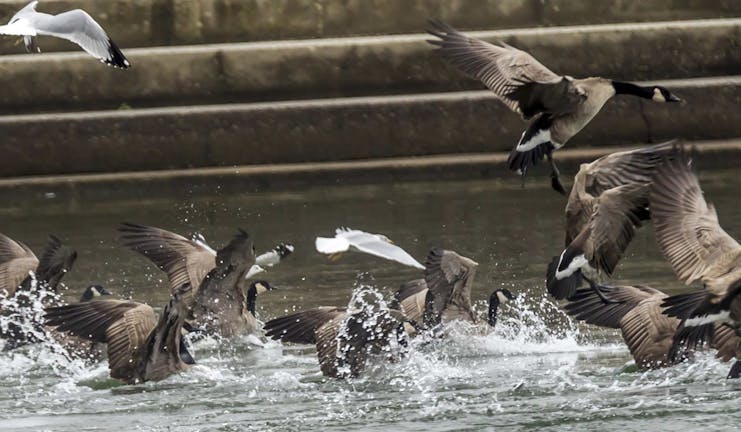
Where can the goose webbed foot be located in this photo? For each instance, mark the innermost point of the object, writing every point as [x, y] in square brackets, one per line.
[555, 177]
[596, 288]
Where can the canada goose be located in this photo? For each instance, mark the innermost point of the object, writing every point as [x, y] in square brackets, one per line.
[608, 202]
[445, 292]
[75, 25]
[220, 305]
[17, 260]
[186, 260]
[78, 347]
[37, 286]
[345, 338]
[561, 105]
[93, 292]
[411, 299]
[140, 348]
[698, 249]
[355, 240]
[648, 333]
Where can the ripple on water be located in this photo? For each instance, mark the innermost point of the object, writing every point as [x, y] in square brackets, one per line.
[525, 373]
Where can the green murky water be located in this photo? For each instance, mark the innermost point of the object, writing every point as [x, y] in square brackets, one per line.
[536, 371]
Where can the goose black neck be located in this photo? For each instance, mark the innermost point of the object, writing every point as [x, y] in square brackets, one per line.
[633, 89]
[493, 308]
[251, 298]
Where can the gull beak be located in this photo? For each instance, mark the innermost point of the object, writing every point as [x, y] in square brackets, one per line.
[335, 257]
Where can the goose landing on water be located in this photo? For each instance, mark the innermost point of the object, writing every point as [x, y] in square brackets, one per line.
[412, 299]
[222, 308]
[698, 249]
[607, 204]
[560, 104]
[347, 338]
[28, 286]
[140, 347]
[648, 333]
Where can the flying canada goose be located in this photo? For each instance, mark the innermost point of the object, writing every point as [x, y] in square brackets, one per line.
[608, 202]
[359, 241]
[690, 237]
[38, 287]
[411, 299]
[445, 292]
[75, 25]
[648, 333]
[346, 338]
[140, 348]
[560, 104]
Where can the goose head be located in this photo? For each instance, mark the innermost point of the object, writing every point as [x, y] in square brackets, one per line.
[498, 297]
[256, 287]
[661, 94]
[92, 292]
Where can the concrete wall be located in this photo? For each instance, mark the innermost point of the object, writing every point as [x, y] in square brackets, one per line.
[338, 129]
[353, 66]
[135, 23]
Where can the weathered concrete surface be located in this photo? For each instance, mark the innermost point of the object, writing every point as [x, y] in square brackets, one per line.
[80, 189]
[135, 23]
[353, 66]
[336, 129]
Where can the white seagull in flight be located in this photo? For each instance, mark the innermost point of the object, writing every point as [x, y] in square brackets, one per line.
[374, 244]
[75, 25]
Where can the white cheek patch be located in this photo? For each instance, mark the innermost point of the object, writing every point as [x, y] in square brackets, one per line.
[707, 319]
[542, 137]
[658, 97]
[577, 263]
[255, 269]
[502, 298]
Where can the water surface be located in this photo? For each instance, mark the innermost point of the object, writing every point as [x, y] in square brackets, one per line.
[537, 370]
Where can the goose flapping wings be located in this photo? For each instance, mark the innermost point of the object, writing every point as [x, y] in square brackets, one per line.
[344, 337]
[449, 279]
[519, 80]
[186, 260]
[688, 230]
[124, 325]
[690, 237]
[140, 347]
[182, 259]
[16, 261]
[649, 333]
[75, 25]
[607, 204]
[373, 244]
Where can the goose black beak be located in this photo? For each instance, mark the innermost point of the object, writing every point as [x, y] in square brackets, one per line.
[673, 98]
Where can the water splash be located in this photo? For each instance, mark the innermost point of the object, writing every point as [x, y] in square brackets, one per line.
[21, 321]
[369, 331]
[29, 346]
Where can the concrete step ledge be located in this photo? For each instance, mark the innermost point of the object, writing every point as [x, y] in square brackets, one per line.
[75, 189]
[251, 72]
[136, 23]
[336, 129]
